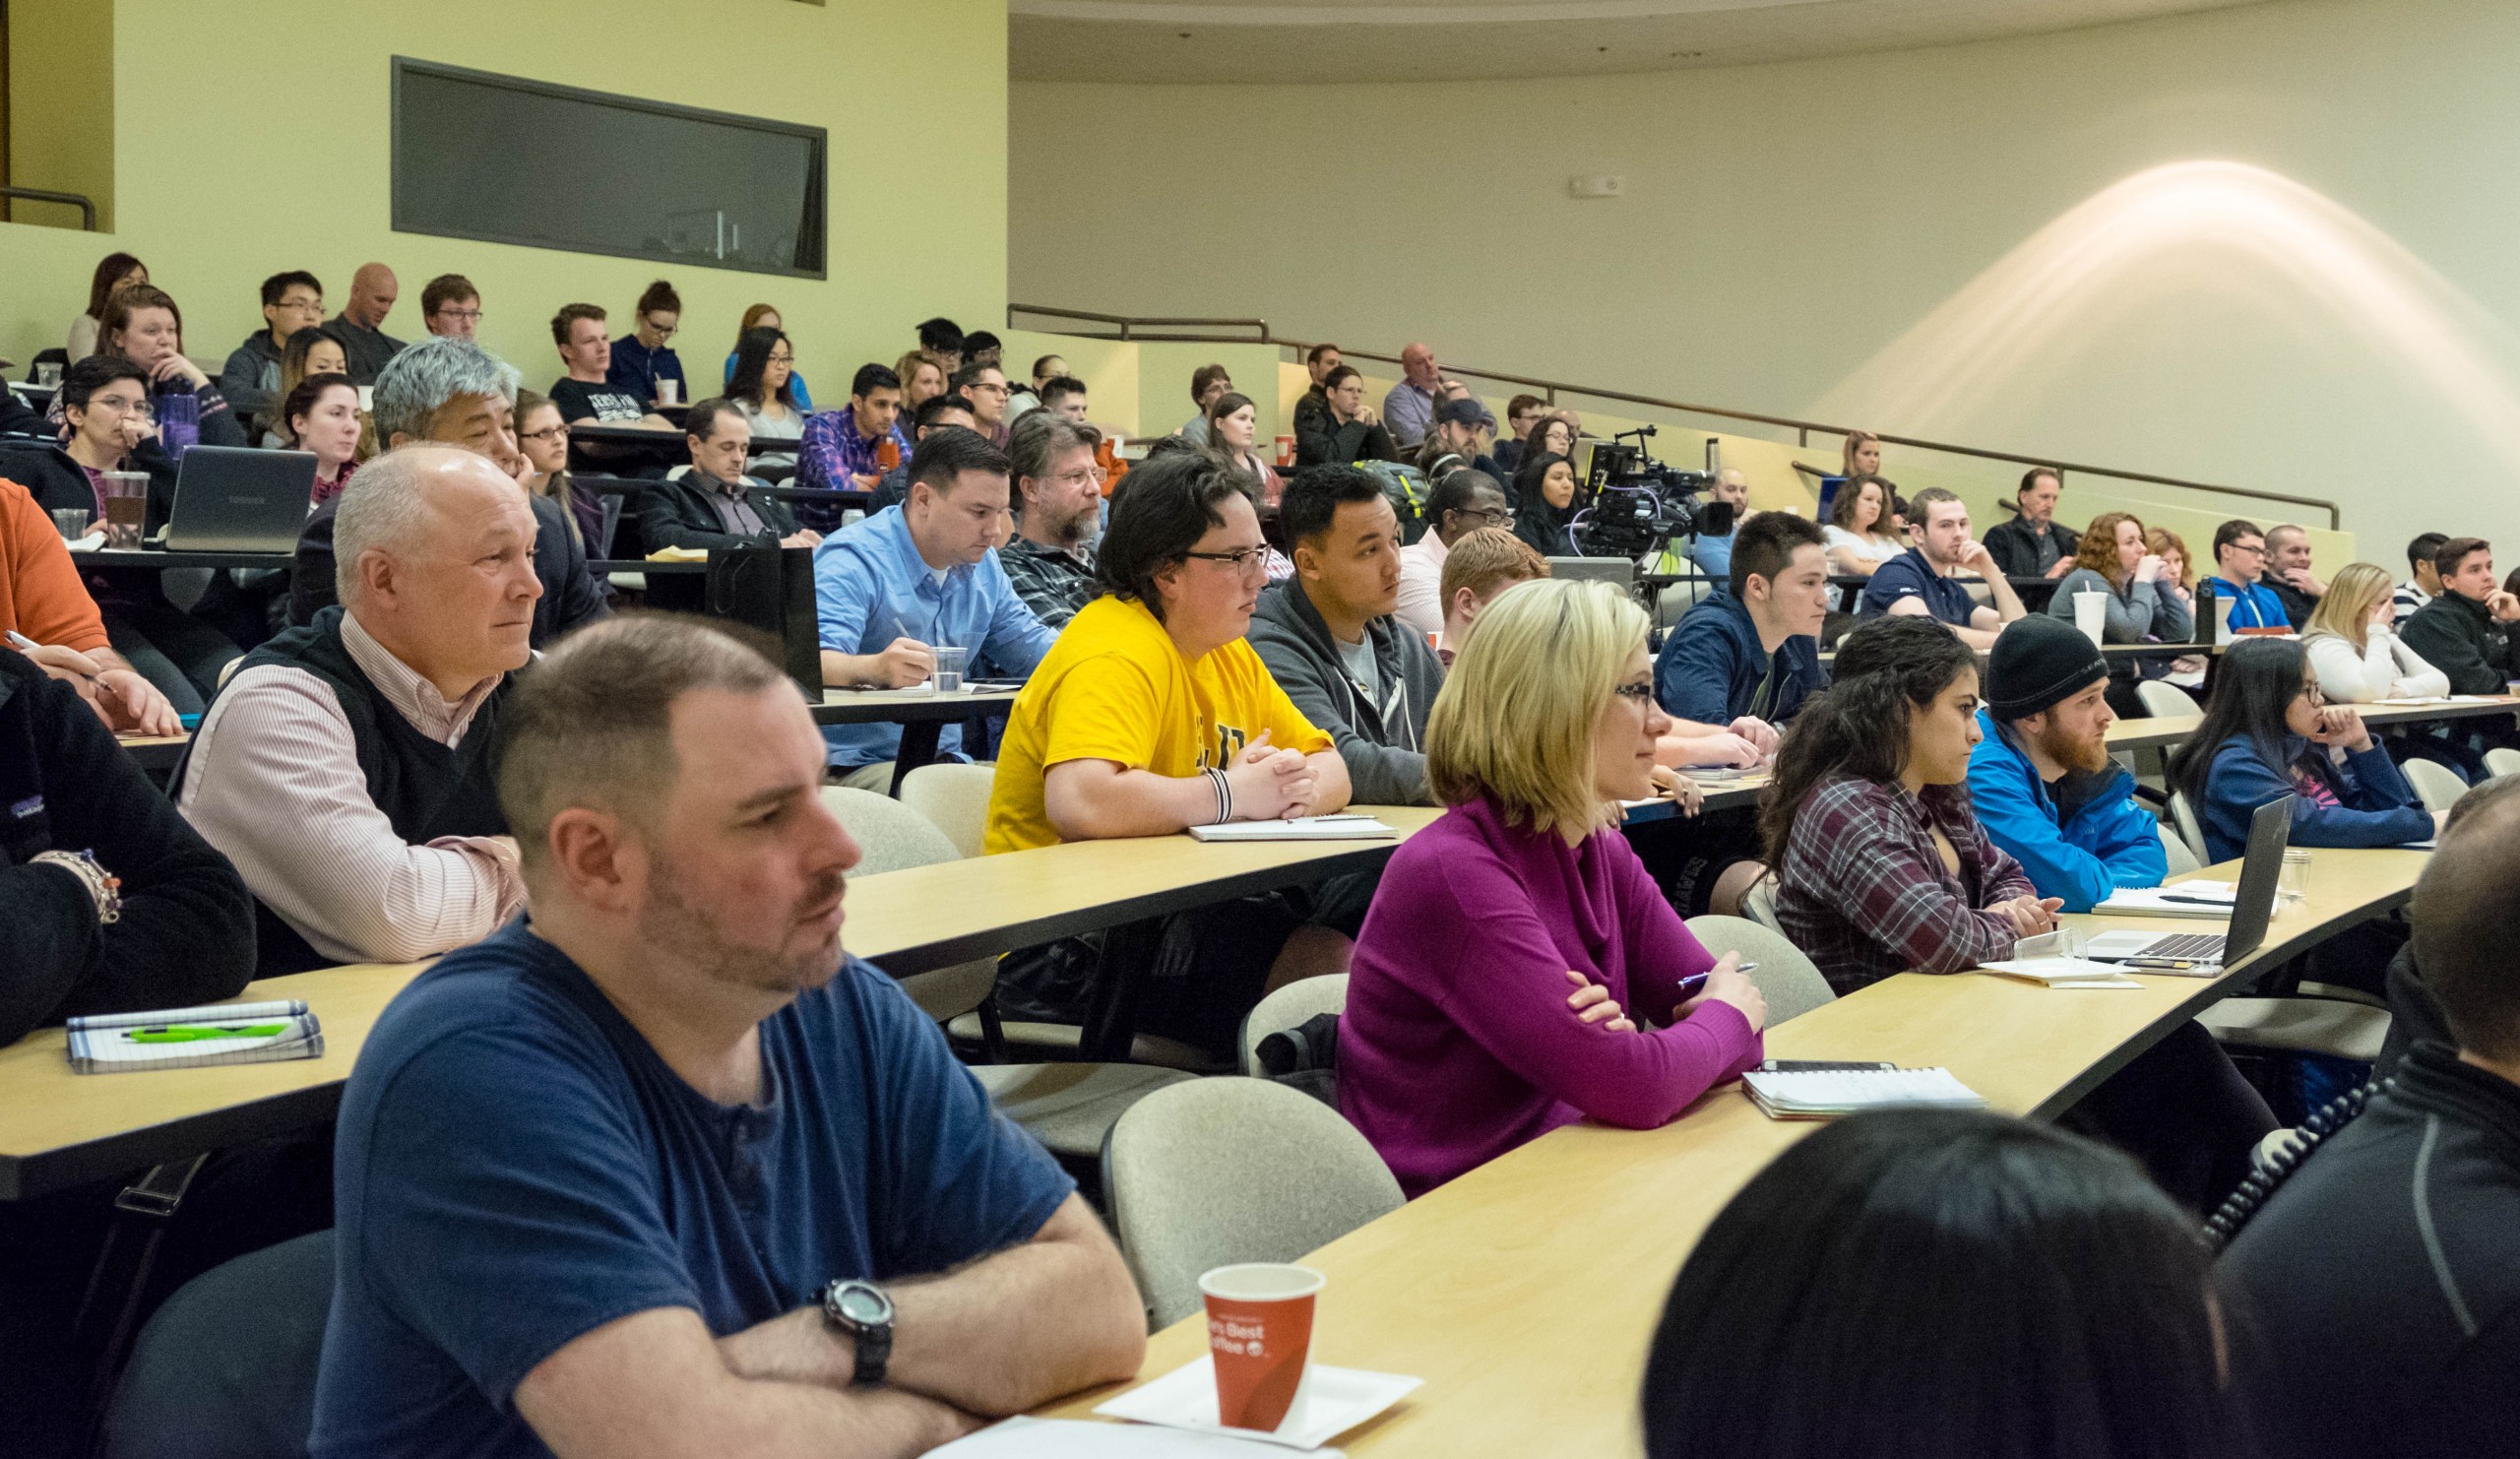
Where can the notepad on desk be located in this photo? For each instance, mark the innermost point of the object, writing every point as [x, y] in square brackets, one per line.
[1302, 828]
[194, 1037]
[2055, 960]
[1824, 1093]
[2203, 899]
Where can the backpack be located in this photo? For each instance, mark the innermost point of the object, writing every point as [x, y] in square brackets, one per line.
[1404, 487]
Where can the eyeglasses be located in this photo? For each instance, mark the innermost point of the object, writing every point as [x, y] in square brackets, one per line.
[1243, 559]
[662, 331]
[785, 360]
[460, 314]
[1484, 516]
[1641, 695]
[2245, 551]
[550, 434]
[2317, 695]
[120, 405]
[988, 389]
[1079, 476]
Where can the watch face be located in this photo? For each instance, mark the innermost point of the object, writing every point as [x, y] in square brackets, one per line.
[866, 1306]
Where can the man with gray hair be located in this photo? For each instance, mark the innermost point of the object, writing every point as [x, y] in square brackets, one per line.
[453, 392]
[347, 769]
[1058, 501]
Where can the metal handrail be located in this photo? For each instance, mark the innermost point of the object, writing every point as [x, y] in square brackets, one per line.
[85, 204]
[1127, 324]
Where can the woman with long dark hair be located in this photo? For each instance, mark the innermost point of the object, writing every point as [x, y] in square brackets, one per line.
[1544, 502]
[2270, 732]
[1233, 436]
[764, 389]
[1881, 865]
[1918, 1284]
[763, 316]
[113, 271]
[1863, 528]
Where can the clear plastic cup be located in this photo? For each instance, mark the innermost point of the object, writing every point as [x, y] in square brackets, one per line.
[949, 668]
[126, 497]
[73, 522]
[2293, 883]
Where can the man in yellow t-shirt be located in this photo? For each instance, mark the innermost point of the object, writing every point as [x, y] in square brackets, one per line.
[1152, 714]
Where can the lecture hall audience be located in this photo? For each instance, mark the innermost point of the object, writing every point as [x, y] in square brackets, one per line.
[542, 440]
[934, 414]
[113, 271]
[2243, 601]
[1312, 410]
[321, 416]
[310, 352]
[1479, 566]
[1863, 532]
[644, 358]
[647, 1108]
[1456, 442]
[2466, 631]
[1710, 552]
[2422, 578]
[2354, 647]
[1462, 502]
[1749, 656]
[763, 316]
[1519, 970]
[1923, 580]
[1409, 409]
[922, 380]
[2288, 576]
[2270, 732]
[2115, 559]
[347, 769]
[2034, 543]
[1058, 501]
[1521, 413]
[588, 391]
[1896, 1284]
[942, 341]
[2379, 1275]
[42, 601]
[1329, 637]
[1544, 502]
[1061, 394]
[1233, 436]
[841, 449]
[451, 307]
[716, 504]
[361, 326]
[250, 380]
[984, 384]
[1343, 429]
[1209, 383]
[924, 575]
[144, 326]
[762, 386]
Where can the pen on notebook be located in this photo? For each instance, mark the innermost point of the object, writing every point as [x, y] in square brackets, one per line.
[191, 1032]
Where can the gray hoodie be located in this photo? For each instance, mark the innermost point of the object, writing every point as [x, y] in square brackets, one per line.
[1378, 736]
[251, 380]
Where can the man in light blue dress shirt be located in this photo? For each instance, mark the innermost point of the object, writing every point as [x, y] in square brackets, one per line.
[891, 589]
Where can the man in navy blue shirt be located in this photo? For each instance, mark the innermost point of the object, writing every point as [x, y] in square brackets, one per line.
[662, 1171]
[1747, 659]
[1921, 582]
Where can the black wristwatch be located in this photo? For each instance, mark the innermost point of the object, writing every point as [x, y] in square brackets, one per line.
[865, 1313]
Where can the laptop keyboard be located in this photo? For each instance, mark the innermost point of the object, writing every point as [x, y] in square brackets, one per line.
[2186, 945]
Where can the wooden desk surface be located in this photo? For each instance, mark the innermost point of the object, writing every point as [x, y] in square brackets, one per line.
[904, 706]
[1525, 1292]
[58, 1128]
[2170, 730]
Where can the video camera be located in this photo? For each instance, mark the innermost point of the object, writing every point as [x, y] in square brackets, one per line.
[1638, 504]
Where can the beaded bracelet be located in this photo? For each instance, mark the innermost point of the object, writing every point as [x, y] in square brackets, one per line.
[1225, 795]
[103, 887]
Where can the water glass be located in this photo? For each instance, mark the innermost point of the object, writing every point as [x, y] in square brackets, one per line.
[2293, 885]
[949, 667]
[48, 374]
[72, 522]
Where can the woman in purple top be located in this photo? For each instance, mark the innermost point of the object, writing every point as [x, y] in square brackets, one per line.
[1519, 970]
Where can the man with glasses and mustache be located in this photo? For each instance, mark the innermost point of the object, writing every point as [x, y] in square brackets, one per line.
[661, 1167]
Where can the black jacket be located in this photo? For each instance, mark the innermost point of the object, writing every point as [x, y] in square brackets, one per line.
[18, 418]
[1545, 527]
[2457, 636]
[682, 514]
[1330, 443]
[56, 482]
[2015, 547]
[187, 930]
[2380, 1278]
[2298, 604]
[571, 596]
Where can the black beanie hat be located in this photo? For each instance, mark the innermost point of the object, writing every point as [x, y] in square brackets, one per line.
[2037, 661]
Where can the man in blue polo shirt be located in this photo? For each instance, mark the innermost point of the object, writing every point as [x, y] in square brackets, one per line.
[2042, 779]
[1920, 581]
[1752, 653]
[917, 577]
[661, 1170]
[2240, 557]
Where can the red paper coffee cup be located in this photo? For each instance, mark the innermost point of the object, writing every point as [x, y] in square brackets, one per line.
[1260, 1334]
[1286, 450]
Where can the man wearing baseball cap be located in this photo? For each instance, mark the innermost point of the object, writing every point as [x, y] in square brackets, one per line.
[2042, 779]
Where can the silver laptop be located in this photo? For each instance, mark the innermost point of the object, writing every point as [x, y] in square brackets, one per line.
[236, 500]
[2203, 954]
[1620, 572]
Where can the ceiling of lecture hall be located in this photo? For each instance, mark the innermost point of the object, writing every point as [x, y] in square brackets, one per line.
[1324, 40]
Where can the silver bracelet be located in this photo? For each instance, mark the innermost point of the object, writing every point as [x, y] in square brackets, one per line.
[104, 889]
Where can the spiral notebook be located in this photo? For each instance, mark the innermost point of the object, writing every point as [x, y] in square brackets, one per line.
[194, 1037]
[1825, 1094]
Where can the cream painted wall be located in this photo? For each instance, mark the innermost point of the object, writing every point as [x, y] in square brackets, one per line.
[1785, 224]
[252, 137]
[61, 80]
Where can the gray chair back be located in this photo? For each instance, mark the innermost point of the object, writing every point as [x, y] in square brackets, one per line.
[2174, 851]
[1790, 980]
[1212, 1171]
[896, 838]
[2184, 816]
[2164, 700]
[1289, 1007]
[226, 1367]
[955, 799]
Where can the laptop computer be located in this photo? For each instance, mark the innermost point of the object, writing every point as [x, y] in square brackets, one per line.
[238, 499]
[2203, 954]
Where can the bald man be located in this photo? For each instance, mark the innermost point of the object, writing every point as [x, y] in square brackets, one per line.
[1409, 412]
[361, 326]
[348, 768]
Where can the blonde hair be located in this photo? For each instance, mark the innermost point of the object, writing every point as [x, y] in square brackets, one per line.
[2344, 609]
[1517, 716]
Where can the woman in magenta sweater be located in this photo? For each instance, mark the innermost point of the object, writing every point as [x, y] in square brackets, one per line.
[1519, 970]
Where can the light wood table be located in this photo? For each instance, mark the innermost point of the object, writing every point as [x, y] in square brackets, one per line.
[1525, 1292]
[2168, 729]
[58, 1128]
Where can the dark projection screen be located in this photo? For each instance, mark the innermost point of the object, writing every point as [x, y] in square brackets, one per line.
[498, 158]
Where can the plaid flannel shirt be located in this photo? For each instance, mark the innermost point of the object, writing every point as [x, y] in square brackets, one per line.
[1863, 890]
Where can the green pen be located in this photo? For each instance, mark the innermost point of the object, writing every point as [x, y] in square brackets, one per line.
[190, 1033]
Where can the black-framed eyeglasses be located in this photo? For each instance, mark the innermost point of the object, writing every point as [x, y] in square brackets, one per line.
[1242, 559]
[553, 433]
[1484, 516]
[2317, 695]
[1641, 695]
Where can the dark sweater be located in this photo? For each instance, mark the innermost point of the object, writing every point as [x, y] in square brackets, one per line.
[187, 930]
[2381, 1277]
[1380, 738]
[2457, 636]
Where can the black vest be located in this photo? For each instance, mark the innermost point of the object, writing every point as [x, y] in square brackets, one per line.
[426, 789]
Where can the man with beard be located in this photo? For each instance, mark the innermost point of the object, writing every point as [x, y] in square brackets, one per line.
[1058, 499]
[660, 1169]
[2042, 779]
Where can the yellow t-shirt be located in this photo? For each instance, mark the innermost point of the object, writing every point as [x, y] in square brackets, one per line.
[1114, 688]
